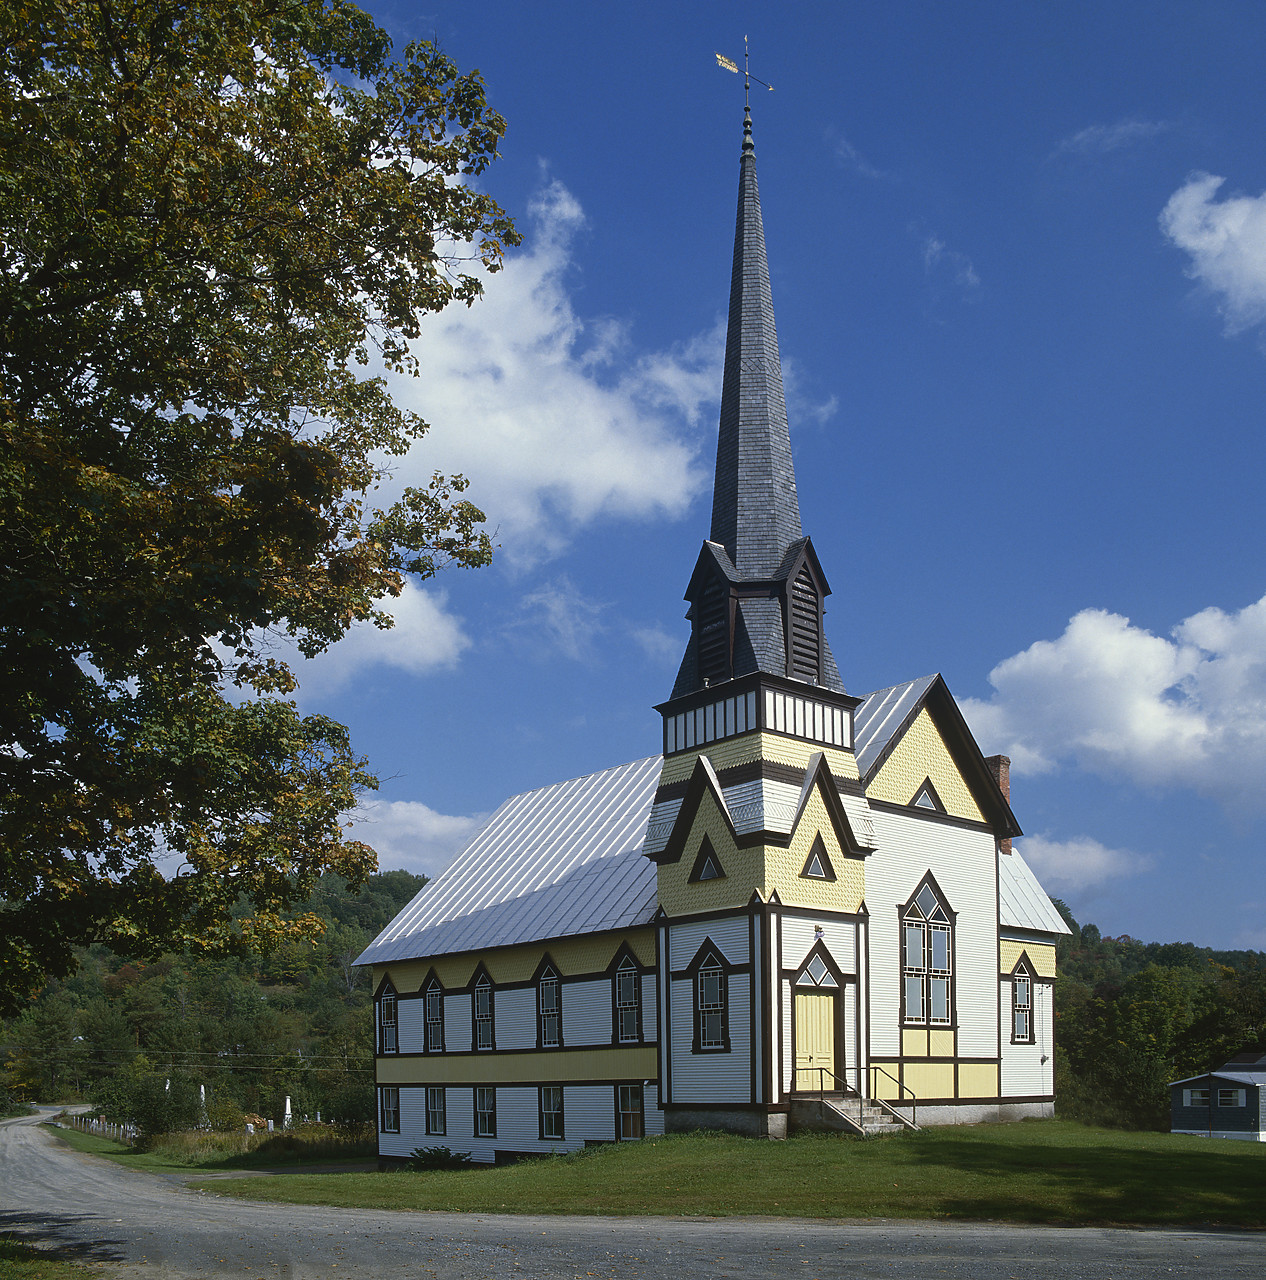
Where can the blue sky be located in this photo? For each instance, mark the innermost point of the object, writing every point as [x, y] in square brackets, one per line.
[1018, 255]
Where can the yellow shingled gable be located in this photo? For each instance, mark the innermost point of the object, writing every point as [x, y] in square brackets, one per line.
[742, 867]
[921, 753]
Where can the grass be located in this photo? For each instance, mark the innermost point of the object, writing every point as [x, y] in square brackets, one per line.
[1048, 1171]
[182, 1152]
[19, 1261]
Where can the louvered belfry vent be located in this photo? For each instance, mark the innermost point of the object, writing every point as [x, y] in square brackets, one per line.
[805, 628]
[713, 624]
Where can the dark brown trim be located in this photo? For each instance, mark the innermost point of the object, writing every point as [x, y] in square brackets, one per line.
[710, 956]
[613, 976]
[501, 1053]
[753, 1004]
[928, 815]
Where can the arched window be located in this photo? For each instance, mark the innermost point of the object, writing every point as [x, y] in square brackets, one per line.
[549, 1009]
[388, 1021]
[485, 1029]
[434, 1002]
[710, 1006]
[927, 959]
[1022, 1005]
[628, 1002]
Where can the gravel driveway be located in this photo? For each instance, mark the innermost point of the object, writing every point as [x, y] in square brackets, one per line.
[151, 1226]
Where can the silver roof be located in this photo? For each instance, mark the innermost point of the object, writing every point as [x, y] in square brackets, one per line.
[1236, 1077]
[562, 860]
[880, 715]
[1022, 902]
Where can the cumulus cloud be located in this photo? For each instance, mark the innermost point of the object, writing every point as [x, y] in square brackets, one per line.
[1226, 242]
[1098, 139]
[939, 258]
[426, 638]
[556, 421]
[1073, 866]
[1183, 710]
[413, 836]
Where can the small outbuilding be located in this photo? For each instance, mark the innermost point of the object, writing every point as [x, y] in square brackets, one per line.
[1227, 1103]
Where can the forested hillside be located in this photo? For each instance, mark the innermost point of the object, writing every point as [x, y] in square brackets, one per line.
[1131, 1015]
[252, 1029]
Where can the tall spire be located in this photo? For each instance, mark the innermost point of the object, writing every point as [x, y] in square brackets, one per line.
[755, 511]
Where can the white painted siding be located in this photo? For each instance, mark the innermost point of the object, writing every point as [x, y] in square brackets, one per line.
[963, 862]
[589, 1113]
[798, 938]
[654, 1116]
[587, 1012]
[412, 1124]
[457, 1016]
[514, 1012]
[1024, 1074]
[788, 1048]
[649, 1029]
[729, 935]
[409, 1014]
[712, 1077]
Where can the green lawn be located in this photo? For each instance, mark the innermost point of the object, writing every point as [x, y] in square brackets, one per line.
[20, 1261]
[1035, 1171]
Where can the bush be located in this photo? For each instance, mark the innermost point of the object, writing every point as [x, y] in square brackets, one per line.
[425, 1159]
[225, 1116]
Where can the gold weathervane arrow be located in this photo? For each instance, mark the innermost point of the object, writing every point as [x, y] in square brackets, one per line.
[728, 64]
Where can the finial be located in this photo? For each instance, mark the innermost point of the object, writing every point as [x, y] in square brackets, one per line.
[728, 64]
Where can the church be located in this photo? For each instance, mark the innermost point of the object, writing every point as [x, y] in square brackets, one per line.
[804, 911]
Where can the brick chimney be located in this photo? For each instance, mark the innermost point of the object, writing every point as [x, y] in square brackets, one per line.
[1000, 767]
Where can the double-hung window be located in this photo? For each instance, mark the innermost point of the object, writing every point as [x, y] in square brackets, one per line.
[628, 1004]
[389, 1109]
[710, 1005]
[927, 960]
[388, 1022]
[434, 1006]
[436, 1109]
[1022, 1006]
[485, 1031]
[550, 1010]
[552, 1111]
[485, 1111]
[629, 1110]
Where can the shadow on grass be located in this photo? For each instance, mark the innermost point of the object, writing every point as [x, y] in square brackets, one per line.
[1192, 1184]
[55, 1238]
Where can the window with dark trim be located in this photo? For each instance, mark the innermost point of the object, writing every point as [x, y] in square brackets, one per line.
[434, 1016]
[485, 1111]
[484, 1011]
[1021, 1006]
[551, 1111]
[436, 1109]
[388, 1022]
[1197, 1097]
[711, 1007]
[630, 1112]
[927, 951]
[389, 1109]
[628, 1002]
[549, 1010]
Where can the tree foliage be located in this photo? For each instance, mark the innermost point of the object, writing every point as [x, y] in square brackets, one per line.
[214, 219]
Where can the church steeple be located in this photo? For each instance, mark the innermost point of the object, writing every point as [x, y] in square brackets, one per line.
[757, 591]
[755, 510]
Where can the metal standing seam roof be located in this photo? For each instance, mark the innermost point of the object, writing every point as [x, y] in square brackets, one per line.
[1022, 902]
[1257, 1078]
[562, 860]
[880, 715]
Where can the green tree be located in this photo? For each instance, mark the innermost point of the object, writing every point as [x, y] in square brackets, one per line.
[213, 218]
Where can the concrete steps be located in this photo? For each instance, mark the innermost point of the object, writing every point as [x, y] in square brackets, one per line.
[841, 1113]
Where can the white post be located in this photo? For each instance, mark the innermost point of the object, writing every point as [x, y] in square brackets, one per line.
[250, 1128]
[289, 1119]
[270, 1127]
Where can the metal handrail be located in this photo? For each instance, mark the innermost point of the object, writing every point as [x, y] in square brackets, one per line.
[913, 1121]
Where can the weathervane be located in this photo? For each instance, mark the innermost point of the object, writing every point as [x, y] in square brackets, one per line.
[728, 64]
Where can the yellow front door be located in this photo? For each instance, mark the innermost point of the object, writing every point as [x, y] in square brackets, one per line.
[815, 1040]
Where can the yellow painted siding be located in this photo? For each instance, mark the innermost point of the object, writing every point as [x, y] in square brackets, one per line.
[586, 953]
[563, 1065]
[922, 753]
[930, 1079]
[978, 1080]
[914, 1044]
[783, 866]
[940, 1044]
[749, 747]
[1043, 957]
[743, 868]
[885, 1086]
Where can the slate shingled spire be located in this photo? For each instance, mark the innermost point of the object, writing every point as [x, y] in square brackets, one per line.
[755, 512]
[757, 591]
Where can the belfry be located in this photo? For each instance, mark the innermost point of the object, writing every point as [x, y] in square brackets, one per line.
[806, 911]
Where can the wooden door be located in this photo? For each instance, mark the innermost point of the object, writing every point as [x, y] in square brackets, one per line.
[815, 1040]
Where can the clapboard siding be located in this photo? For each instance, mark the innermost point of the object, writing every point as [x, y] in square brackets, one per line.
[798, 938]
[649, 1028]
[587, 1012]
[712, 1077]
[729, 934]
[514, 1015]
[409, 1015]
[457, 1022]
[1024, 1074]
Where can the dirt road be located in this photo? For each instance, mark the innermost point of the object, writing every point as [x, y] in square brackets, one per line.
[146, 1226]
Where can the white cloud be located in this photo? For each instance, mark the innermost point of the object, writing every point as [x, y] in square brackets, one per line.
[939, 258]
[848, 155]
[554, 419]
[414, 836]
[659, 646]
[1226, 241]
[556, 616]
[425, 638]
[1099, 139]
[1073, 866]
[1187, 710]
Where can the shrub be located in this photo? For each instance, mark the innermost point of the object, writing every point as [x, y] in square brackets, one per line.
[425, 1159]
